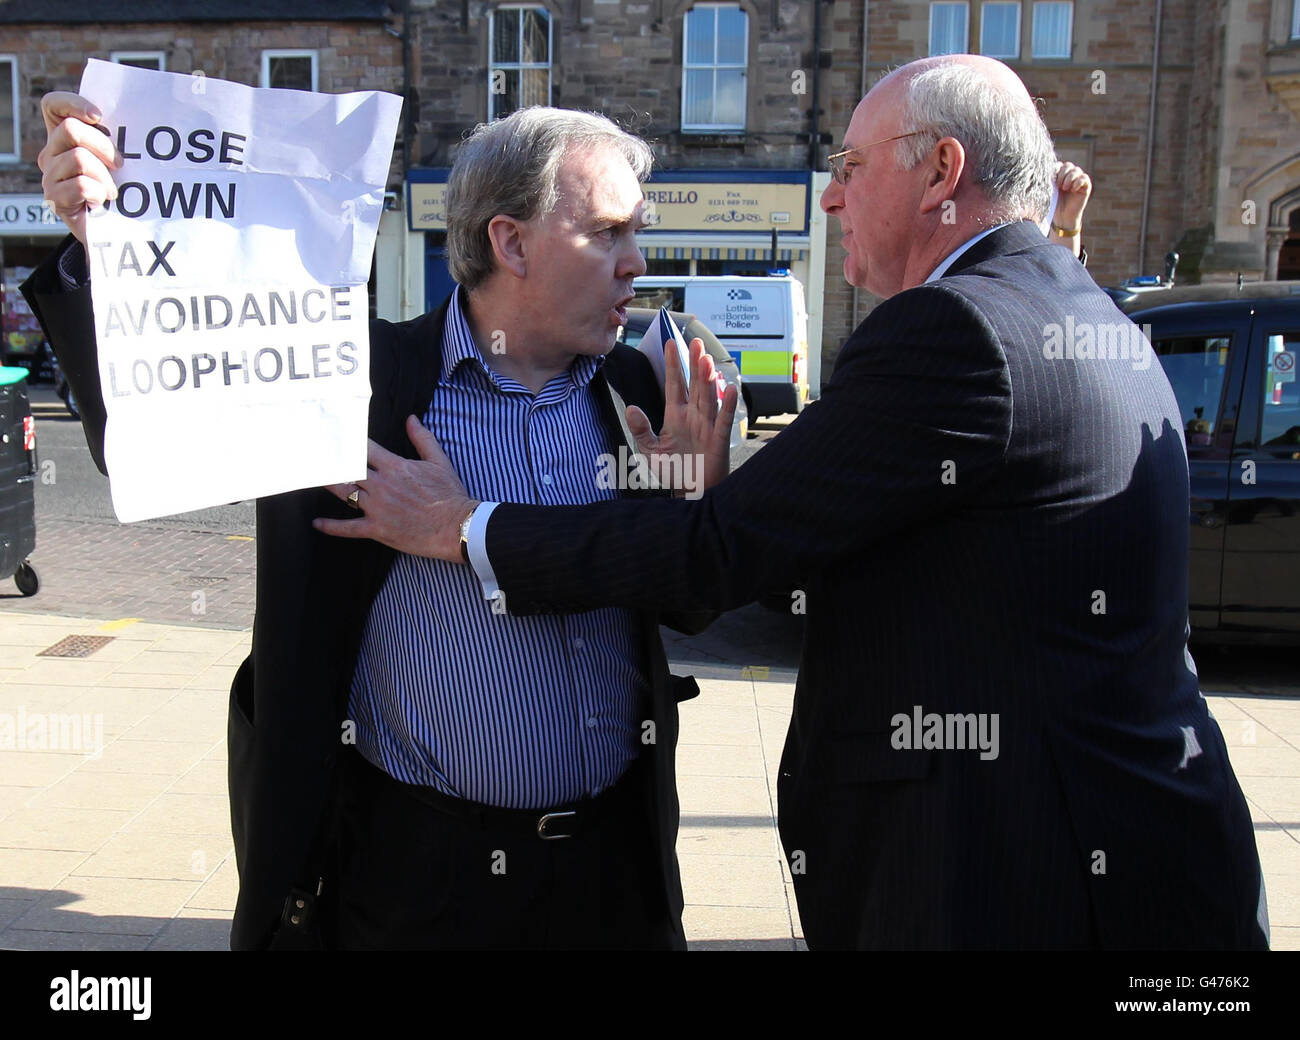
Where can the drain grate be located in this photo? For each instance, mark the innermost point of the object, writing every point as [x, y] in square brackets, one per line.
[75, 646]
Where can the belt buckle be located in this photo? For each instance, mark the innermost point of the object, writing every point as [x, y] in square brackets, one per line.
[547, 819]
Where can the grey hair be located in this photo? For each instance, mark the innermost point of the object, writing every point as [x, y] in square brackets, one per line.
[1008, 147]
[510, 167]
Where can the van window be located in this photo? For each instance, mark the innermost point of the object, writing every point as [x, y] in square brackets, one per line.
[1197, 368]
[755, 309]
[1279, 422]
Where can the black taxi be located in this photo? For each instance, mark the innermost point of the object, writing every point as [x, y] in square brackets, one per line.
[1230, 352]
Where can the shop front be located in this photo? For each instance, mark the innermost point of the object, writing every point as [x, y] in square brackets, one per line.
[700, 222]
[28, 234]
[426, 210]
[704, 223]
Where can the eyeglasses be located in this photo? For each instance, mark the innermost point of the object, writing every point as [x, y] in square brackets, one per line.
[836, 162]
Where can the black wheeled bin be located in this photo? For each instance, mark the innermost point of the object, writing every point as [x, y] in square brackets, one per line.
[17, 481]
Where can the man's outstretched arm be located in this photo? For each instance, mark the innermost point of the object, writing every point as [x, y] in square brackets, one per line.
[914, 422]
[67, 318]
[75, 175]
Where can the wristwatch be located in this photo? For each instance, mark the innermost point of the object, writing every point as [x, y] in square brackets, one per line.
[464, 532]
[1066, 232]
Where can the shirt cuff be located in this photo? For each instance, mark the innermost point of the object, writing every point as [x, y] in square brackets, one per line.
[73, 270]
[476, 541]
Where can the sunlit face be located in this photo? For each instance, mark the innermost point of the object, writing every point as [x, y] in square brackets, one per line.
[877, 205]
[582, 256]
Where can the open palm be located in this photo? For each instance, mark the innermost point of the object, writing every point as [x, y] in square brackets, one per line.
[692, 451]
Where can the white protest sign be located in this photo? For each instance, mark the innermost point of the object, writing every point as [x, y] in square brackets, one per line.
[229, 285]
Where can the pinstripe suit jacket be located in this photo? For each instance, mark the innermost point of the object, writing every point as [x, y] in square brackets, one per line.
[314, 593]
[986, 532]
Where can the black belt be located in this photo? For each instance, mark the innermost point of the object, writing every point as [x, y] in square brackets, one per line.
[546, 824]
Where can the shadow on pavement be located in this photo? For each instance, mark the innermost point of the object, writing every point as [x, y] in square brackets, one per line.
[751, 636]
[49, 921]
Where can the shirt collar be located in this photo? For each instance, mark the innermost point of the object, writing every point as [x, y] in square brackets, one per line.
[951, 258]
[584, 368]
[459, 348]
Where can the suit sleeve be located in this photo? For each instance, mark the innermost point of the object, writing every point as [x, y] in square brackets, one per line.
[914, 423]
[67, 317]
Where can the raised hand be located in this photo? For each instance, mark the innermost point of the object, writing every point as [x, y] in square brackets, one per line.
[1075, 188]
[692, 451]
[77, 159]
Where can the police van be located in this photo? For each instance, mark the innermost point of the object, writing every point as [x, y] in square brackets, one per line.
[762, 323]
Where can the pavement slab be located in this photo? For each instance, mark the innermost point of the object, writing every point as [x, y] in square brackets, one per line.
[118, 836]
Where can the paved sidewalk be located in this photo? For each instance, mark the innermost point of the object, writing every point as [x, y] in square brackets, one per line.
[114, 827]
[99, 568]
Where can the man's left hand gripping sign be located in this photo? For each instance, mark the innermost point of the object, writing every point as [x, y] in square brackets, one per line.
[229, 285]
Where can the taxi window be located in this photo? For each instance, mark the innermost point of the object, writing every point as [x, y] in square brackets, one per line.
[630, 336]
[1197, 368]
[1279, 423]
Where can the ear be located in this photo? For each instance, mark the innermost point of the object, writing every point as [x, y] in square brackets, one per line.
[506, 235]
[944, 167]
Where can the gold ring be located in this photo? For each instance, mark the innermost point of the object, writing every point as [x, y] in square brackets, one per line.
[352, 498]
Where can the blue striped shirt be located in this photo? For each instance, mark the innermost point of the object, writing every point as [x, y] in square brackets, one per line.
[454, 693]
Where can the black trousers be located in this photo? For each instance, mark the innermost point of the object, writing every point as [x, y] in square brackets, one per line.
[416, 870]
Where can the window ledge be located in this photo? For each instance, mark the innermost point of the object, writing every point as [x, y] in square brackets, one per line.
[715, 137]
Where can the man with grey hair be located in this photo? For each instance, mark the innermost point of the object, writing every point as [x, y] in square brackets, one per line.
[998, 740]
[502, 782]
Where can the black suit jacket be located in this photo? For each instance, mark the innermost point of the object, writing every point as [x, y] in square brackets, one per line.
[980, 530]
[289, 698]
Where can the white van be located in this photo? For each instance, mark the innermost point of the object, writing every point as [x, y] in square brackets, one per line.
[763, 324]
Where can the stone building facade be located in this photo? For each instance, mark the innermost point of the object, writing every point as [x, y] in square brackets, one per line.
[729, 94]
[334, 45]
[353, 50]
[1185, 112]
[1191, 133]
